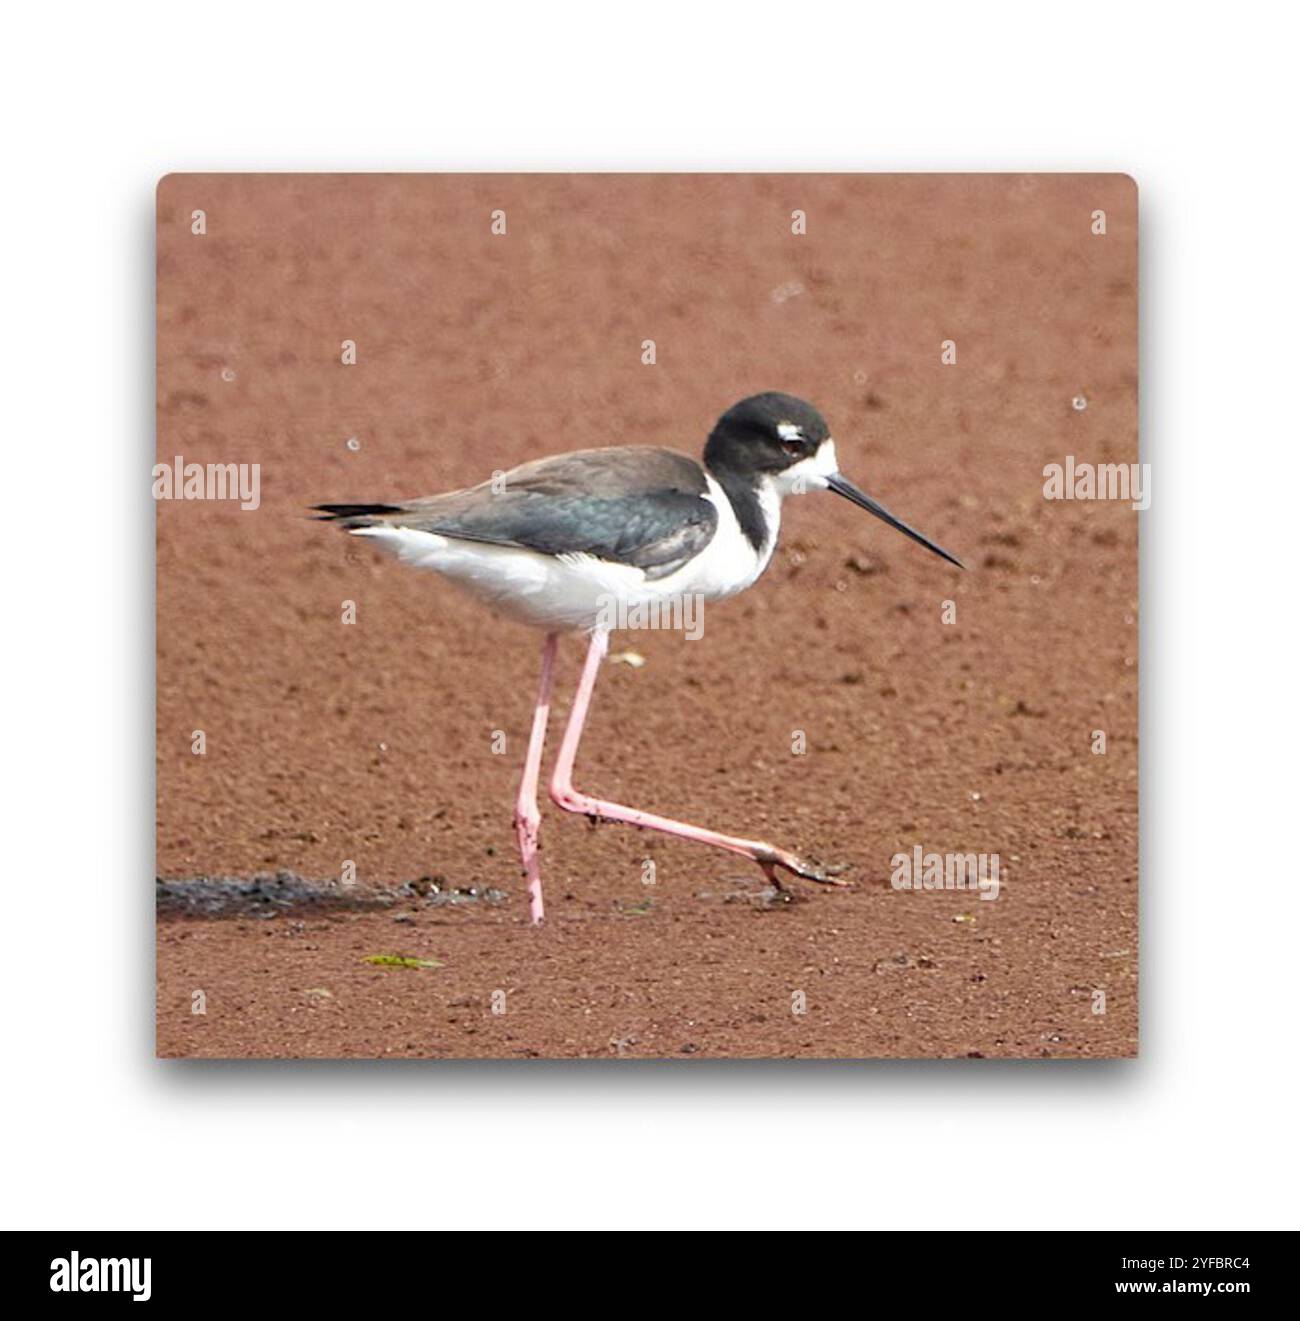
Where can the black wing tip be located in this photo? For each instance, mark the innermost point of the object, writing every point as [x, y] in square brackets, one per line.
[335, 513]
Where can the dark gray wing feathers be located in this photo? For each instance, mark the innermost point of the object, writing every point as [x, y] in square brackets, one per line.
[638, 506]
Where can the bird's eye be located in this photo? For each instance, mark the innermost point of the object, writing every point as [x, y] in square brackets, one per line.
[793, 446]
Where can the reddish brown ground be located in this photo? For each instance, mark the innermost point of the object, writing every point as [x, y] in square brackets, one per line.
[374, 741]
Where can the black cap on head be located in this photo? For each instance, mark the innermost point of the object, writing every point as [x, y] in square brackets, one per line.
[765, 433]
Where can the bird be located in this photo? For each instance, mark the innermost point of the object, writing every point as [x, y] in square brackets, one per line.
[578, 542]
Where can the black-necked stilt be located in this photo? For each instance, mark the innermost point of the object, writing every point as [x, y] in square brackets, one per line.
[557, 542]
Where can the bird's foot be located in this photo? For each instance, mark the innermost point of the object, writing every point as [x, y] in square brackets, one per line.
[771, 859]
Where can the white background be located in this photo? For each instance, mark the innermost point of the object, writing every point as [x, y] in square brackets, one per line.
[100, 101]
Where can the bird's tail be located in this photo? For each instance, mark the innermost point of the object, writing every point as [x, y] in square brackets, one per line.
[355, 516]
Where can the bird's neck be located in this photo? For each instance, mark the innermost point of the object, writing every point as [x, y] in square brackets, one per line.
[757, 505]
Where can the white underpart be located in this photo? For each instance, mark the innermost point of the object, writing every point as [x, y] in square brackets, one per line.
[571, 592]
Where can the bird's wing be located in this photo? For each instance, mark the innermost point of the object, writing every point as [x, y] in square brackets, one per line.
[638, 506]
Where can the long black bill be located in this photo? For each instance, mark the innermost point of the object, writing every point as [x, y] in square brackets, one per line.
[842, 486]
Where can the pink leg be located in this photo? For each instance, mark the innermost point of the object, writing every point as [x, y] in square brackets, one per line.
[567, 797]
[527, 817]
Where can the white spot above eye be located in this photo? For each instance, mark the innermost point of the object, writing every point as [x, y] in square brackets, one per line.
[789, 430]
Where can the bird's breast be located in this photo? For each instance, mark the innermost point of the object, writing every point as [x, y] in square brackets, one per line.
[730, 562]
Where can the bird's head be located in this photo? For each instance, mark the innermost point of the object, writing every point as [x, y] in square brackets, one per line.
[784, 442]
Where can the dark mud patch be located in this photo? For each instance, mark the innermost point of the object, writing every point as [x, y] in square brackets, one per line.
[279, 892]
